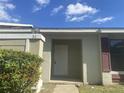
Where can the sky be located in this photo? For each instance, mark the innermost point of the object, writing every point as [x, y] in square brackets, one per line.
[63, 13]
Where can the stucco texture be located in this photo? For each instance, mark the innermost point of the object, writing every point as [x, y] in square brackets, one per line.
[90, 51]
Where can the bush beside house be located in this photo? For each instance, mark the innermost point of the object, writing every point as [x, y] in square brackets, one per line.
[18, 71]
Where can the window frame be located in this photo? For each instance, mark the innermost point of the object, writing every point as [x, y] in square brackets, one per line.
[114, 71]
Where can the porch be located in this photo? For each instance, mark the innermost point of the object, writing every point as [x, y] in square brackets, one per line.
[78, 55]
[66, 60]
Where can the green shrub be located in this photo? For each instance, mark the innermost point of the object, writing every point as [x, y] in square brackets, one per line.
[19, 71]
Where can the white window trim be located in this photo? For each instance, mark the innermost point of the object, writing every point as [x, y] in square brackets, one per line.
[117, 72]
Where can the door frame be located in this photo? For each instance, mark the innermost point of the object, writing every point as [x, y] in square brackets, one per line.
[53, 42]
[52, 58]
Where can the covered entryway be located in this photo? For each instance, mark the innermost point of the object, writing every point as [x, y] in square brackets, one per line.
[66, 60]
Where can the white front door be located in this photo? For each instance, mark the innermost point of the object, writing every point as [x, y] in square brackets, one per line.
[61, 60]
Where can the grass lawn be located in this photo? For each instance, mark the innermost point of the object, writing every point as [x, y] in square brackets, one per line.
[102, 89]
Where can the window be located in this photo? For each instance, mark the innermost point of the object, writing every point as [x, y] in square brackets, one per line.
[117, 54]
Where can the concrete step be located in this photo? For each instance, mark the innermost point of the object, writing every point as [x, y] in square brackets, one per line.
[66, 82]
[65, 89]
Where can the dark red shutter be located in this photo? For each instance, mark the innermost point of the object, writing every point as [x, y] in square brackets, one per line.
[105, 54]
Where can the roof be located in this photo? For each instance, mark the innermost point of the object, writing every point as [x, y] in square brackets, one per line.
[15, 25]
[35, 30]
[82, 30]
[67, 28]
[24, 28]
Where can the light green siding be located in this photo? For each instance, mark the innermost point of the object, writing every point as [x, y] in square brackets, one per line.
[18, 45]
[36, 47]
[91, 57]
[47, 60]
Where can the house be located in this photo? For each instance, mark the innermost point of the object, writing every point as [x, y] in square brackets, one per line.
[21, 37]
[87, 55]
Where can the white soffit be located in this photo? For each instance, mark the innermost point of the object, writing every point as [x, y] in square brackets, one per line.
[112, 30]
[82, 30]
[22, 36]
[15, 30]
[15, 24]
[69, 30]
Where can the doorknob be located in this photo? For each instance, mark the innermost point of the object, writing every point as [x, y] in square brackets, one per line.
[54, 62]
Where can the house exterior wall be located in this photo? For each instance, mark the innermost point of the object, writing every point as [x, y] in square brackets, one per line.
[91, 59]
[18, 45]
[47, 53]
[32, 46]
[36, 47]
[116, 36]
[91, 66]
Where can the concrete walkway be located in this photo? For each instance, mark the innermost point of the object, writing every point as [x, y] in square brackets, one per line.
[66, 89]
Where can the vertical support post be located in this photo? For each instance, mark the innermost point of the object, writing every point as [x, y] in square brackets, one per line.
[84, 67]
[85, 73]
[27, 45]
[41, 45]
[47, 60]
